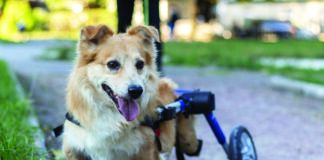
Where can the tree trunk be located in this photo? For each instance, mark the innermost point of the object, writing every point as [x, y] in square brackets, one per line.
[2, 7]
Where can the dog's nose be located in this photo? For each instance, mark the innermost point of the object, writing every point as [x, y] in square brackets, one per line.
[135, 91]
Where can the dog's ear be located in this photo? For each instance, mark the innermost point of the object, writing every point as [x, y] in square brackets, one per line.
[147, 33]
[90, 38]
[95, 34]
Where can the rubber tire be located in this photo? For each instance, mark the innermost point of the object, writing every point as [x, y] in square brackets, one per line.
[234, 149]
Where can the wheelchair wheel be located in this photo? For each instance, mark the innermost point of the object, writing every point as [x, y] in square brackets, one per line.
[241, 146]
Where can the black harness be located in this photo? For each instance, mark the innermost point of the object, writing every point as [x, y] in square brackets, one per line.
[155, 126]
[59, 129]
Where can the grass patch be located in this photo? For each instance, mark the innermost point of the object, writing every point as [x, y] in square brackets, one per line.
[16, 135]
[246, 54]
[61, 53]
[238, 53]
[4, 41]
[307, 75]
[227, 53]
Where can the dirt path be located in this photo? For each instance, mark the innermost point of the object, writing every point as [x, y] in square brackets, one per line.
[284, 125]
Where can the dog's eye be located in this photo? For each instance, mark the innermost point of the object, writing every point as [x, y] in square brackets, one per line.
[139, 64]
[113, 65]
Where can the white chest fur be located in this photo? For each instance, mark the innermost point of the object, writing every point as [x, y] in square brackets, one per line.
[101, 147]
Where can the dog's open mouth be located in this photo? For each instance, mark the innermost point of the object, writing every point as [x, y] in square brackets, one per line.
[126, 106]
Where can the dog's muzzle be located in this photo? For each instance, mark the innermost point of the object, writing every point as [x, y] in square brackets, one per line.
[127, 107]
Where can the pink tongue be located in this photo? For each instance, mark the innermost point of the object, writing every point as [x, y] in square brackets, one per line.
[128, 108]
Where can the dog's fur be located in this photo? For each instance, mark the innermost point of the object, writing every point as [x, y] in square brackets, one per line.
[104, 133]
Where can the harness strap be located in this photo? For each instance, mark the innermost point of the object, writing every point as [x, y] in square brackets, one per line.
[59, 129]
[155, 126]
[70, 117]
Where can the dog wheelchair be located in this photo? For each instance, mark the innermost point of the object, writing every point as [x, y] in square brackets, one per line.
[240, 146]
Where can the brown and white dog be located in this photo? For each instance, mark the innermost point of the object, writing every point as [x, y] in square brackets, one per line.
[113, 86]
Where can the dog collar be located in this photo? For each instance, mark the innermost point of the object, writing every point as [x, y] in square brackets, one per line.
[70, 117]
[59, 129]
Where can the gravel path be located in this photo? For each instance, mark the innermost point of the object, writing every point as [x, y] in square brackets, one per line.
[284, 125]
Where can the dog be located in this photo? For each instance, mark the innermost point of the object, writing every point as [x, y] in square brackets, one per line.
[112, 88]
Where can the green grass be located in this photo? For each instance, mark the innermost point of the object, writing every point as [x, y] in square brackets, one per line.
[246, 54]
[238, 53]
[4, 41]
[61, 53]
[308, 75]
[227, 53]
[16, 135]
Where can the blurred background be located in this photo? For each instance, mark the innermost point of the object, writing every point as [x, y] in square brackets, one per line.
[201, 20]
[263, 59]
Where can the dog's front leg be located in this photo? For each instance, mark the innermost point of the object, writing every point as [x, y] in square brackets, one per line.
[72, 154]
[188, 141]
[148, 151]
[167, 135]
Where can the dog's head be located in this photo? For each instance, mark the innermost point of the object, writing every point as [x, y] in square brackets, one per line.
[118, 66]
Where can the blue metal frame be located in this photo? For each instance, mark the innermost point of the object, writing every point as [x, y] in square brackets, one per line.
[217, 130]
[211, 119]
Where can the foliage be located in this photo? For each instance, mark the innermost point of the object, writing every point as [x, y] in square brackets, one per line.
[2, 4]
[11, 18]
[16, 140]
[8, 90]
[4, 41]
[62, 19]
[18, 16]
[58, 53]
